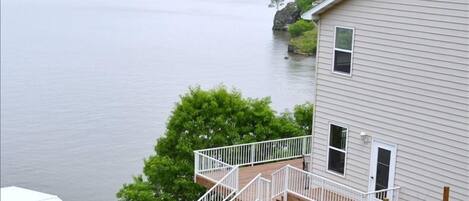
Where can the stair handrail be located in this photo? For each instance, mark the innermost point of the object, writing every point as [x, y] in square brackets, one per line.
[226, 190]
[254, 190]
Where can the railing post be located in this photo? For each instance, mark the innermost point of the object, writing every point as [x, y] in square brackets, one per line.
[272, 187]
[253, 147]
[396, 197]
[196, 165]
[285, 188]
[258, 189]
[303, 151]
[269, 190]
[237, 178]
[322, 191]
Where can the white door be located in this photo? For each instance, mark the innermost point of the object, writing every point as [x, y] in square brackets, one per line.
[382, 169]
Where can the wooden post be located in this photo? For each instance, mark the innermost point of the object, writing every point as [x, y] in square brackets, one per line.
[446, 193]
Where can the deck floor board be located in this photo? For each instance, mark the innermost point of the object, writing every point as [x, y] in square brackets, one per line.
[247, 173]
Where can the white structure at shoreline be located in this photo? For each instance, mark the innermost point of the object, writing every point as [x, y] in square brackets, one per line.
[13, 193]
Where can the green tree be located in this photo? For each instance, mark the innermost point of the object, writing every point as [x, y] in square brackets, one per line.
[303, 115]
[203, 119]
[304, 5]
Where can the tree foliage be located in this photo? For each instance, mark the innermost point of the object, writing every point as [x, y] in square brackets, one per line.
[303, 115]
[304, 5]
[276, 4]
[203, 119]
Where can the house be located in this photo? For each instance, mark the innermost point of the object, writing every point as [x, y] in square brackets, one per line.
[391, 115]
[13, 193]
[396, 72]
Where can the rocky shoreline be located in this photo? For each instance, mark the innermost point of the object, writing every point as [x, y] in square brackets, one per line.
[283, 18]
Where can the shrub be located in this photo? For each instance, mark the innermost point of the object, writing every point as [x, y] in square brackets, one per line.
[304, 5]
[299, 27]
[306, 43]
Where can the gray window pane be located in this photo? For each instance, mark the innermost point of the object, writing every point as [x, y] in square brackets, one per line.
[343, 38]
[384, 156]
[336, 161]
[338, 137]
[342, 61]
[382, 169]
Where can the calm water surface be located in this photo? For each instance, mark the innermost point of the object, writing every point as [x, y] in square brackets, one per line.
[87, 85]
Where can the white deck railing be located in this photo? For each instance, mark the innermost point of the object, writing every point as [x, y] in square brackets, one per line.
[260, 152]
[211, 168]
[224, 189]
[291, 180]
[391, 193]
[258, 189]
[220, 165]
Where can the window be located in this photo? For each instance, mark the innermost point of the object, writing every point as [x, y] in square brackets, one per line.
[337, 149]
[343, 48]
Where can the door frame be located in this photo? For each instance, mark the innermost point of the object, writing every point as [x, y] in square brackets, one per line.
[375, 144]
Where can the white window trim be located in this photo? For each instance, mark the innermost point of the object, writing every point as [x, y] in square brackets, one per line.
[342, 50]
[330, 147]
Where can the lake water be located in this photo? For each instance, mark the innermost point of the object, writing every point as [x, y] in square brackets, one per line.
[87, 85]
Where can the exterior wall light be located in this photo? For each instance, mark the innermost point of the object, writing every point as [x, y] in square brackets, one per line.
[365, 137]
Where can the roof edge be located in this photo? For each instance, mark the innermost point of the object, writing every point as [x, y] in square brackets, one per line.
[323, 6]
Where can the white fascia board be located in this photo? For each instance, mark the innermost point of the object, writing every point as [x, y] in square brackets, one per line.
[308, 15]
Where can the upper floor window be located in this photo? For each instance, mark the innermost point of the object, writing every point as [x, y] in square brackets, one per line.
[343, 49]
[337, 149]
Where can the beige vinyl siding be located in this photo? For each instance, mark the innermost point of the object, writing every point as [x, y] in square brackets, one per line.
[409, 86]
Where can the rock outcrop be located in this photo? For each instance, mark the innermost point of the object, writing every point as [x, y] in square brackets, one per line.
[285, 16]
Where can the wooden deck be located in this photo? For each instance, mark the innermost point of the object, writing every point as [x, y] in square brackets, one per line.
[247, 173]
